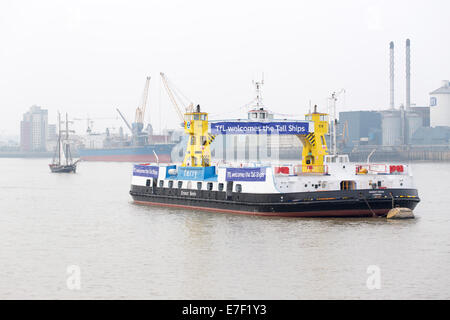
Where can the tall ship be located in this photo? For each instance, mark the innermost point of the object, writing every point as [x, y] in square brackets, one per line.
[321, 185]
[62, 160]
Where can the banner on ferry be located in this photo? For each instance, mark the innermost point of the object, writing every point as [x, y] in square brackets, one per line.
[292, 127]
[245, 174]
[145, 171]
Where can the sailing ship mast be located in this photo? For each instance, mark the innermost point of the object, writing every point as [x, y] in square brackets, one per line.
[67, 146]
[63, 150]
[57, 154]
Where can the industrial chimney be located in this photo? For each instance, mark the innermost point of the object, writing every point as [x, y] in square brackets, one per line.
[391, 74]
[408, 74]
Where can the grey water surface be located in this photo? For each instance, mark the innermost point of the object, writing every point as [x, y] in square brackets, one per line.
[52, 222]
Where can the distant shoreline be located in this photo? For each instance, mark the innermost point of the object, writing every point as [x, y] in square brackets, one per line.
[18, 154]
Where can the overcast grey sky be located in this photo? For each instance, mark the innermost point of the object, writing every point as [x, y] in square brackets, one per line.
[89, 57]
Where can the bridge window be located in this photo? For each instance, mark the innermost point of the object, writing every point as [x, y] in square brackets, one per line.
[247, 148]
[235, 143]
[348, 185]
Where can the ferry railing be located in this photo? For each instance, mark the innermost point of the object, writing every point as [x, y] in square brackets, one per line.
[307, 169]
[381, 169]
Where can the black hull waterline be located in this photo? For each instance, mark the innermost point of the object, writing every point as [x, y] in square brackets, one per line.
[63, 168]
[349, 203]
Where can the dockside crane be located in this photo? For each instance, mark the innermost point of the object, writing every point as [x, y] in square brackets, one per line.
[140, 138]
[188, 120]
[172, 94]
[138, 124]
[90, 122]
[124, 120]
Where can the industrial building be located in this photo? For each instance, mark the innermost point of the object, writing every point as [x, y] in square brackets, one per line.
[400, 133]
[359, 128]
[440, 105]
[437, 136]
[34, 130]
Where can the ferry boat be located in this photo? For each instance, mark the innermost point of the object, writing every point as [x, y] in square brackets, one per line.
[322, 185]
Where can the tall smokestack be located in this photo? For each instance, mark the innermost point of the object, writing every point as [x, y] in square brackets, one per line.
[391, 75]
[408, 74]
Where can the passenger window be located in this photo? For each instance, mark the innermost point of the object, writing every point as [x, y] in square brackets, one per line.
[238, 188]
[220, 186]
[209, 186]
[161, 183]
[147, 183]
[180, 184]
[170, 184]
[199, 185]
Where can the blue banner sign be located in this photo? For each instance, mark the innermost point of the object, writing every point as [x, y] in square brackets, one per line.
[291, 127]
[245, 174]
[145, 171]
[196, 173]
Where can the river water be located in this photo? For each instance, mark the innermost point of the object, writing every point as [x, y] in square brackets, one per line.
[79, 236]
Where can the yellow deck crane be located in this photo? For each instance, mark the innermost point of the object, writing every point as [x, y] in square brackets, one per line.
[198, 153]
[314, 143]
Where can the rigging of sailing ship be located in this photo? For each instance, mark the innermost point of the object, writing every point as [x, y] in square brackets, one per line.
[62, 159]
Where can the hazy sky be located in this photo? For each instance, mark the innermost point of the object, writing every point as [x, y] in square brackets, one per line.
[89, 57]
